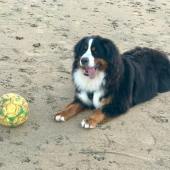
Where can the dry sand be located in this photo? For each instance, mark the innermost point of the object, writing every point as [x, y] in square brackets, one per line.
[36, 41]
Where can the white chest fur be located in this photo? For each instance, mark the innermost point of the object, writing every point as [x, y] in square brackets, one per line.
[85, 84]
[95, 101]
[97, 98]
[84, 98]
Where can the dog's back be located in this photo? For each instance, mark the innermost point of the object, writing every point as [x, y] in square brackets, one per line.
[152, 72]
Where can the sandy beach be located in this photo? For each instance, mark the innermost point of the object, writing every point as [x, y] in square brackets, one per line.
[36, 42]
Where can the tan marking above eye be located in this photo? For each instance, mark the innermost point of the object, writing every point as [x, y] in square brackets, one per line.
[93, 49]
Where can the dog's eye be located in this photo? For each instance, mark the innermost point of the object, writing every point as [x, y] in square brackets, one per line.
[93, 49]
[85, 47]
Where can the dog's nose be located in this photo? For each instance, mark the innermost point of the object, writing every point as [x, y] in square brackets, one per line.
[85, 61]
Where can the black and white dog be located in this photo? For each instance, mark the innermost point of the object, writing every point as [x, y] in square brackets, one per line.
[110, 83]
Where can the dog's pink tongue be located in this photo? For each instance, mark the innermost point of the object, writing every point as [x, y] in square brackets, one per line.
[91, 71]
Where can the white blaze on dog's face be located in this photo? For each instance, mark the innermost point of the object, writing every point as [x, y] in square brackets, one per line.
[87, 60]
[88, 55]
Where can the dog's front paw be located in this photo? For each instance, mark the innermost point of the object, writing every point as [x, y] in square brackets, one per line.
[88, 124]
[59, 118]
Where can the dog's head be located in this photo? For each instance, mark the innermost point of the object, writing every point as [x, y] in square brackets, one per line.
[94, 54]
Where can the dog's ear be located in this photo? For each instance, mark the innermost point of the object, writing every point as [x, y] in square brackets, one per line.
[78, 47]
[111, 50]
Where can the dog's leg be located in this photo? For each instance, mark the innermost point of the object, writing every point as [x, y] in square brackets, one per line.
[69, 111]
[105, 113]
[97, 117]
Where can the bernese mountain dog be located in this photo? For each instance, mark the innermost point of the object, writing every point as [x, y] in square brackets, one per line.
[110, 83]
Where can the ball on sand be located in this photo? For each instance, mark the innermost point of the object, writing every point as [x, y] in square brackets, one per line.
[13, 110]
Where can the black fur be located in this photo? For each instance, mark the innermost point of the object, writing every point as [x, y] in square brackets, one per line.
[131, 78]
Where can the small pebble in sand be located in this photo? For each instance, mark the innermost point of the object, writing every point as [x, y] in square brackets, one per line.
[36, 45]
[34, 25]
[19, 38]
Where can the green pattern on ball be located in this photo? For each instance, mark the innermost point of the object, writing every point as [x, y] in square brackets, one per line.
[13, 110]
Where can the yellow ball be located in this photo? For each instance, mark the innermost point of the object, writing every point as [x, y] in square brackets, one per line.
[13, 110]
